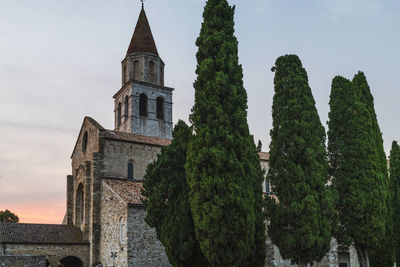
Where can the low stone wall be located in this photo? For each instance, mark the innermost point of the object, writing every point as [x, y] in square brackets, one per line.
[25, 261]
[52, 252]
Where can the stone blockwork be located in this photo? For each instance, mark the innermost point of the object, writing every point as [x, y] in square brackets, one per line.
[144, 249]
[119, 154]
[113, 228]
[25, 261]
[52, 252]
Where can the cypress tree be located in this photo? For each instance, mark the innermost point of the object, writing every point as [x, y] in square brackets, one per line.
[342, 99]
[302, 219]
[380, 182]
[356, 156]
[166, 194]
[223, 167]
[394, 171]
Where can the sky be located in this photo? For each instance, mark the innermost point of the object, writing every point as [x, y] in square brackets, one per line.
[60, 60]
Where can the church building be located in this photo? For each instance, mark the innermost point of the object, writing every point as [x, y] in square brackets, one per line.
[104, 222]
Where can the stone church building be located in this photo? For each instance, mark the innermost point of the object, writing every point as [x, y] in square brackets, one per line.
[104, 221]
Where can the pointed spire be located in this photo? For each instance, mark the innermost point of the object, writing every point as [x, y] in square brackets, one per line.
[142, 39]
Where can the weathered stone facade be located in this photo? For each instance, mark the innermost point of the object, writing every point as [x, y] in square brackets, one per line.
[53, 253]
[26, 261]
[113, 229]
[144, 249]
[118, 154]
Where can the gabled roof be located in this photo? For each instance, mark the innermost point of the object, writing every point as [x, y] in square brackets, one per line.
[23, 233]
[135, 138]
[94, 123]
[128, 191]
[142, 39]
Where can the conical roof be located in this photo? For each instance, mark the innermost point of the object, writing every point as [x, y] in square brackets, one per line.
[142, 39]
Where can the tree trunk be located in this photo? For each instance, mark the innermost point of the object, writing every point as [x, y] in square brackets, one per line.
[363, 258]
[302, 264]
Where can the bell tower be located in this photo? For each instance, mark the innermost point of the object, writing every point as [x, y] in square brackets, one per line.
[143, 105]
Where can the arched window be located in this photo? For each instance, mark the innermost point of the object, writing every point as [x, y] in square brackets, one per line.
[143, 105]
[126, 108]
[119, 114]
[130, 171]
[79, 205]
[152, 74]
[160, 108]
[84, 142]
[136, 70]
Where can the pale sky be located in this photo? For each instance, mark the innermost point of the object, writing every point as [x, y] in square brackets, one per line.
[60, 61]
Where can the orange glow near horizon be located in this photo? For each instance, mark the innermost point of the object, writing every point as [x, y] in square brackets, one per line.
[42, 213]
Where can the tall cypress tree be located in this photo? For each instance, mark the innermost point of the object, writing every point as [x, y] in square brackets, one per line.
[166, 194]
[342, 100]
[379, 176]
[394, 171]
[223, 168]
[302, 220]
[356, 152]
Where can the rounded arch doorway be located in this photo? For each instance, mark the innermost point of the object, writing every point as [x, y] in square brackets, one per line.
[70, 261]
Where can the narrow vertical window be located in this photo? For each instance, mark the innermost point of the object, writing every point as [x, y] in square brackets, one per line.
[79, 205]
[136, 70]
[126, 109]
[121, 230]
[84, 142]
[119, 114]
[152, 75]
[161, 75]
[130, 171]
[160, 108]
[143, 105]
[124, 76]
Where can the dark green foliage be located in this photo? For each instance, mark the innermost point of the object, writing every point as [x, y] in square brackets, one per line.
[166, 194]
[223, 168]
[8, 216]
[303, 220]
[358, 165]
[259, 146]
[342, 100]
[394, 171]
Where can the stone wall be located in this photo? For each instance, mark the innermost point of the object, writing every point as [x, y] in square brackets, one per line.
[87, 169]
[144, 249]
[26, 261]
[118, 154]
[113, 216]
[53, 252]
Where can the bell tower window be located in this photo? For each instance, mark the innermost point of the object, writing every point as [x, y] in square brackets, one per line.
[136, 70]
[152, 74]
[119, 114]
[126, 106]
[124, 75]
[143, 105]
[160, 108]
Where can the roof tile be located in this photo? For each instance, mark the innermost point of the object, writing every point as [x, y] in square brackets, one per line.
[128, 191]
[40, 233]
